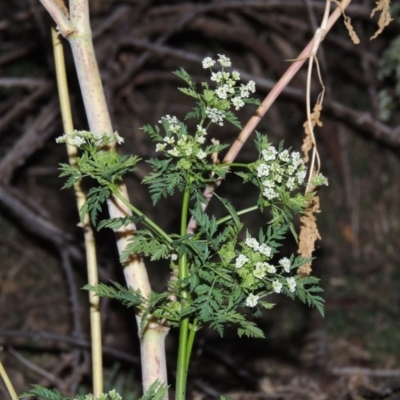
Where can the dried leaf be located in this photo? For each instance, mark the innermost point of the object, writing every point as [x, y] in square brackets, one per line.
[308, 139]
[385, 17]
[347, 23]
[308, 234]
[353, 35]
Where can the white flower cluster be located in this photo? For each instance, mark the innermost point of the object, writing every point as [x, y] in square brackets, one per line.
[279, 170]
[227, 87]
[216, 116]
[285, 264]
[180, 143]
[252, 300]
[253, 266]
[80, 138]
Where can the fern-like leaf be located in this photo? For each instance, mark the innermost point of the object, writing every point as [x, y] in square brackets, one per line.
[47, 394]
[156, 391]
[127, 296]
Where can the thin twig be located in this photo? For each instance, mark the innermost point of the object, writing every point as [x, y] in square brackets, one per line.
[73, 293]
[78, 342]
[23, 106]
[381, 373]
[40, 371]
[33, 139]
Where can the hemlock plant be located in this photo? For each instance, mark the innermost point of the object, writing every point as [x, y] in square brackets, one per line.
[221, 275]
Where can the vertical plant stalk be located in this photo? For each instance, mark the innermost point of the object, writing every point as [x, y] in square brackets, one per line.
[77, 31]
[183, 273]
[90, 245]
[7, 382]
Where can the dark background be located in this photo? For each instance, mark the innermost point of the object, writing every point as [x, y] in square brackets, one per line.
[354, 353]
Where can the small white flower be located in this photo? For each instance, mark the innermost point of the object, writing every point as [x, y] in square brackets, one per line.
[290, 170]
[301, 176]
[119, 139]
[200, 139]
[62, 139]
[244, 92]
[267, 183]
[262, 170]
[269, 154]
[169, 119]
[208, 62]
[235, 75]
[201, 154]
[237, 102]
[221, 92]
[160, 146]
[215, 115]
[201, 130]
[77, 141]
[216, 76]
[285, 264]
[291, 284]
[224, 61]
[252, 300]
[252, 243]
[251, 86]
[174, 257]
[296, 159]
[270, 194]
[291, 183]
[284, 156]
[240, 261]
[260, 270]
[169, 140]
[270, 268]
[231, 83]
[265, 250]
[173, 152]
[276, 286]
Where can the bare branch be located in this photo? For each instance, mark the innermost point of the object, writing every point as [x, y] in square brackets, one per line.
[64, 25]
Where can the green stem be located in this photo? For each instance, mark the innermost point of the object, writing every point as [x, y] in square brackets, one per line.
[190, 341]
[146, 220]
[241, 212]
[183, 273]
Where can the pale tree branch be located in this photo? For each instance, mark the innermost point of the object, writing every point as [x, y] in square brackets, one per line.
[152, 335]
[64, 25]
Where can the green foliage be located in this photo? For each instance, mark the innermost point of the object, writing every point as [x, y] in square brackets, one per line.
[219, 278]
[47, 394]
[145, 242]
[226, 276]
[308, 295]
[96, 197]
[127, 296]
[156, 391]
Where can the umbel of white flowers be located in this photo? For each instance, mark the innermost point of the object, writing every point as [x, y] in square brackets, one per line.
[82, 138]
